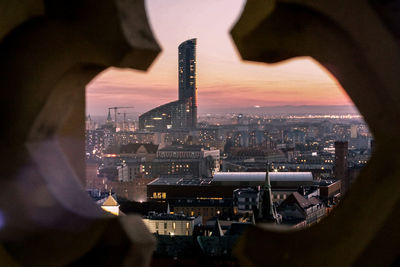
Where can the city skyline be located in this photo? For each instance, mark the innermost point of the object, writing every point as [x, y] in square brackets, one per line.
[223, 79]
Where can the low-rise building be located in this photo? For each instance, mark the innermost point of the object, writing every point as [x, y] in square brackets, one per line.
[222, 185]
[171, 224]
[297, 206]
[189, 160]
[246, 200]
[206, 208]
[329, 190]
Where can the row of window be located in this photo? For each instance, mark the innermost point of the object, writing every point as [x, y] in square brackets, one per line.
[159, 195]
[201, 211]
[173, 225]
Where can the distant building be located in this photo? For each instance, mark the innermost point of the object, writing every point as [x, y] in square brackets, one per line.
[283, 183]
[206, 208]
[296, 208]
[353, 131]
[186, 160]
[90, 125]
[257, 201]
[180, 114]
[341, 164]
[175, 115]
[187, 77]
[222, 185]
[329, 190]
[135, 190]
[125, 162]
[246, 200]
[171, 224]
[142, 151]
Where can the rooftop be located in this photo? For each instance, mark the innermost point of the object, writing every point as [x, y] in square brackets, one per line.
[180, 181]
[110, 201]
[132, 148]
[260, 176]
[170, 217]
[182, 148]
[301, 201]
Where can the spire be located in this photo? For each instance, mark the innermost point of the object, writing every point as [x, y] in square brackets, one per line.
[109, 119]
[268, 212]
[253, 219]
[267, 179]
[168, 209]
[217, 230]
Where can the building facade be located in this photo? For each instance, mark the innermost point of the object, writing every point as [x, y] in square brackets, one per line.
[187, 77]
[171, 224]
[186, 160]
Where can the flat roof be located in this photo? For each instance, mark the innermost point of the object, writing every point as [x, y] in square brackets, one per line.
[260, 176]
[180, 181]
[169, 217]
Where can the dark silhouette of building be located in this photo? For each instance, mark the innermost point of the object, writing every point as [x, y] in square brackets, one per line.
[180, 114]
[341, 164]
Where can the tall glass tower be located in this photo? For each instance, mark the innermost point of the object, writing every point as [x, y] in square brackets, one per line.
[181, 114]
[187, 78]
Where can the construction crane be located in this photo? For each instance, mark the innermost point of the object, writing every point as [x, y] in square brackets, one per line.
[123, 126]
[116, 112]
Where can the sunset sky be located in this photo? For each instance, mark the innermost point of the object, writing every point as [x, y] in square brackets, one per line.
[223, 80]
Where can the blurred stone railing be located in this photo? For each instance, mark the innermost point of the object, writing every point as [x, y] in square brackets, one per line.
[358, 42]
[50, 50]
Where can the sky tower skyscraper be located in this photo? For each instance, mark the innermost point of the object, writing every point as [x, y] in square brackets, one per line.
[181, 114]
[187, 76]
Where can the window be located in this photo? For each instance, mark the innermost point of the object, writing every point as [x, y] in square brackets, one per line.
[165, 225]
